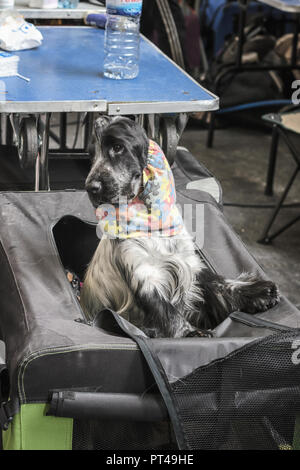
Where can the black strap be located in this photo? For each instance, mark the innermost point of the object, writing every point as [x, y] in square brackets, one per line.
[155, 366]
[4, 383]
[254, 321]
[7, 408]
[171, 30]
[7, 412]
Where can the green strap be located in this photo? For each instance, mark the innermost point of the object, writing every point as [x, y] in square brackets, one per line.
[31, 429]
[296, 440]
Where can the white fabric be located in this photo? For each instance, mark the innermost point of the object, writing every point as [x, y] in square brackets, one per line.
[209, 185]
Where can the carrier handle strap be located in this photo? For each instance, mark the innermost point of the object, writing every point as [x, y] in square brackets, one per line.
[8, 408]
[7, 412]
[161, 408]
[154, 365]
[251, 320]
[149, 408]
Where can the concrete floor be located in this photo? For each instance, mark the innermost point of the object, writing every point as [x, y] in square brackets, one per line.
[239, 161]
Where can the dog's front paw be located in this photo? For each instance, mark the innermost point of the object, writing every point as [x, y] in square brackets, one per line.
[265, 296]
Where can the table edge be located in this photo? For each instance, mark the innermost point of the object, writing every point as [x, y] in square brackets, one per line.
[114, 108]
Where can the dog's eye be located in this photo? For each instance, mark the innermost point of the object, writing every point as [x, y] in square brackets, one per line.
[117, 148]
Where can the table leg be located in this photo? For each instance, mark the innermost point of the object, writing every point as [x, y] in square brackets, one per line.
[242, 22]
[42, 167]
[168, 130]
[211, 130]
[9, 131]
[88, 130]
[272, 162]
[295, 41]
[140, 119]
[63, 130]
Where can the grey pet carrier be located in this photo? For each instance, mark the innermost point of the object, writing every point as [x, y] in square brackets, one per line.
[68, 384]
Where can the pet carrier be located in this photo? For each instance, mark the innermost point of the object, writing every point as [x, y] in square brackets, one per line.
[68, 384]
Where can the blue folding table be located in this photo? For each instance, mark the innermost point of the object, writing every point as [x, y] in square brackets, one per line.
[66, 75]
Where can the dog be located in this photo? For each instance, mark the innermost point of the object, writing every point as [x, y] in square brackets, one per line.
[157, 280]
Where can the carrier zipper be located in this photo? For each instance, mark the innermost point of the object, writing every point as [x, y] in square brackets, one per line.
[204, 258]
[253, 321]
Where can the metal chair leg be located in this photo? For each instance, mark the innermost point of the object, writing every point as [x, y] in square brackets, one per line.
[272, 162]
[280, 230]
[266, 237]
[211, 131]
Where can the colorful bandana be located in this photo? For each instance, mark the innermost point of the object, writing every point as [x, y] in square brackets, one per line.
[153, 212]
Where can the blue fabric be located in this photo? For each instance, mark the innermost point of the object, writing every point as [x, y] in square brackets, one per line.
[220, 16]
[256, 104]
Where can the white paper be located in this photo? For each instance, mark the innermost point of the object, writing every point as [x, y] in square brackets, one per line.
[16, 34]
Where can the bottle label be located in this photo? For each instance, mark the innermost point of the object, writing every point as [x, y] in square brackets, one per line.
[124, 7]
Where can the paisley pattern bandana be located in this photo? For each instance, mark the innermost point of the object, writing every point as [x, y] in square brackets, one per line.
[153, 213]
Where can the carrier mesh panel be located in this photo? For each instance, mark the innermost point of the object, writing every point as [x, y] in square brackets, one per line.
[112, 435]
[248, 400]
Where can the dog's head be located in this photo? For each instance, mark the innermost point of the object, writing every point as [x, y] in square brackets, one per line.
[121, 152]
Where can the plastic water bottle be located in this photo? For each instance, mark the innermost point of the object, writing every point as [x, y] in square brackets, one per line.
[68, 3]
[122, 38]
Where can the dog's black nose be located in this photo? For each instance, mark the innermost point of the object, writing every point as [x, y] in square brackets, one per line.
[94, 187]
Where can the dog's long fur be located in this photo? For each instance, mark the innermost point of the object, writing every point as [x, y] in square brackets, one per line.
[159, 284]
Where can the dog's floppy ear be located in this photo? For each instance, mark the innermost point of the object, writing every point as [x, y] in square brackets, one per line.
[145, 146]
[100, 124]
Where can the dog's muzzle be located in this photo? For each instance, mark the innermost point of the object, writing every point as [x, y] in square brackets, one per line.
[94, 189]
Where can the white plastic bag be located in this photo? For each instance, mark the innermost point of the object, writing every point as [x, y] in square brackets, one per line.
[16, 34]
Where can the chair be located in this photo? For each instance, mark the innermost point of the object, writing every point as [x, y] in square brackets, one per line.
[284, 125]
[266, 104]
